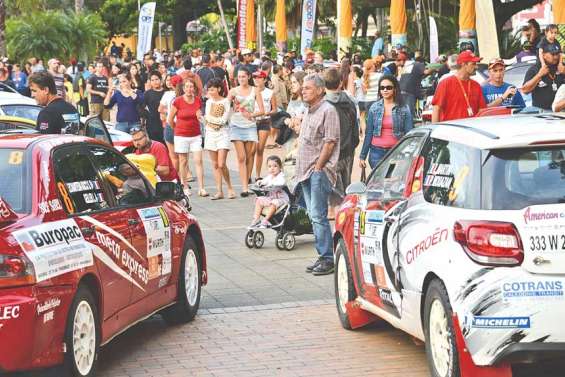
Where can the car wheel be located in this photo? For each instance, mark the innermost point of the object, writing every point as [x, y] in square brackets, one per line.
[249, 239]
[189, 286]
[279, 241]
[82, 335]
[344, 288]
[441, 349]
[258, 239]
[289, 241]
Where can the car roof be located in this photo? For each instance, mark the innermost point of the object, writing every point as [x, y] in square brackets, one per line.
[504, 131]
[22, 141]
[7, 98]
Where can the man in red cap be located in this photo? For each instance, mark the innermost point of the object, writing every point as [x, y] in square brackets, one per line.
[459, 96]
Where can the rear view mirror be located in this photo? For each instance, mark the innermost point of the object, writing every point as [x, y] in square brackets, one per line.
[166, 191]
[356, 188]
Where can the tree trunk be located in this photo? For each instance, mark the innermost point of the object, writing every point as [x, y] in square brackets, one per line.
[365, 23]
[79, 6]
[3, 27]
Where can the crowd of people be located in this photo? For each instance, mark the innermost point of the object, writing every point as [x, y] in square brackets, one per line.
[177, 105]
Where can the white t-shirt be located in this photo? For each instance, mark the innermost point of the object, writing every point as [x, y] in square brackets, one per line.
[559, 96]
[266, 94]
[167, 100]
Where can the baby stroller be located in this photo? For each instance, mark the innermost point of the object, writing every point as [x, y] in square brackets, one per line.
[289, 220]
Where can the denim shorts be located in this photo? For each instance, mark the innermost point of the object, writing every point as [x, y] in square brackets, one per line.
[243, 134]
[126, 126]
[169, 135]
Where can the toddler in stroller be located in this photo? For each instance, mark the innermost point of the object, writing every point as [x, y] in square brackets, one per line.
[278, 209]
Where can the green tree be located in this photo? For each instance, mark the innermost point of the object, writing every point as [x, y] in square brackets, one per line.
[120, 16]
[87, 33]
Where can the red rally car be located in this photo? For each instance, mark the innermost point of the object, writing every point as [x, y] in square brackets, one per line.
[87, 248]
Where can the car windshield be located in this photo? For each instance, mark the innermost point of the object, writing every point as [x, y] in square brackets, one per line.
[14, 188]
[517, 178]
[22, 111]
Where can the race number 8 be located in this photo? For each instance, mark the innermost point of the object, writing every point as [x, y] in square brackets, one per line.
[66, 198]
[15, 158]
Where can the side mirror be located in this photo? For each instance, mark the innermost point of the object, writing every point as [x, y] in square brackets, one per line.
[356, 188]
[167, 191]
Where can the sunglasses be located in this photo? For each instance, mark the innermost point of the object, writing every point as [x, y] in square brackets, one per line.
[386, 87]
[135, 129]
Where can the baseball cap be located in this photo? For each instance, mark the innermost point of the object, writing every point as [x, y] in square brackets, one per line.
[53, 61]
[494, 62]
[175, 80]
[552, 48]
[467, 56]
[260, 74]
[245, 51]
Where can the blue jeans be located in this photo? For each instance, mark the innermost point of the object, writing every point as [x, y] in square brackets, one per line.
[375, 155]
[126, 126]
[316, 191]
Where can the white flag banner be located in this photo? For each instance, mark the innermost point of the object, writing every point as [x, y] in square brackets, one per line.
[434, 43]
[145, 29]
[308, 21]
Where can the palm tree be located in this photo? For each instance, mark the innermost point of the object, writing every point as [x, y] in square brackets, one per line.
[2, 28]
[87, 33]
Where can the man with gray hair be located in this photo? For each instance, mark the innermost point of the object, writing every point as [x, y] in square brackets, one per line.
[318, 153]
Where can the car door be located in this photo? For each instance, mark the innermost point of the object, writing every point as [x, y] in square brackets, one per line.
[93, 127]
[149, 228]
[87, 201]
[378, 222]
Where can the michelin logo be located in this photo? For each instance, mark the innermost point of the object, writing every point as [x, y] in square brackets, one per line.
[501, 322]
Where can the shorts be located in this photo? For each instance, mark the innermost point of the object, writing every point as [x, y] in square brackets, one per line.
[168, 134]
[184, 144]
[217, 139]
[99, 109]
[264, 125]
[243, 134]
[265, 201]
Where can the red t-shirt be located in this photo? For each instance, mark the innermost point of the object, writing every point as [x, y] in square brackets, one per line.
[449, 96]
[187, 123]
[161, 154]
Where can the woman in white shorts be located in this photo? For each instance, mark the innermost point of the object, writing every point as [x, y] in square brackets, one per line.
[217, 140]
[243, 129]
[184, 119]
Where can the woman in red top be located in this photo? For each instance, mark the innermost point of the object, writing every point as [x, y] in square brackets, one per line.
[184, 118]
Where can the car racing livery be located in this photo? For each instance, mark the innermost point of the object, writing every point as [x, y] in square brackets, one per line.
[458, 238]
[88, 248]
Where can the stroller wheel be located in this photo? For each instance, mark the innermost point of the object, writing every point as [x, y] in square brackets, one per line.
[289, 241]
[280, 241]
[258, 239]
[249, 239]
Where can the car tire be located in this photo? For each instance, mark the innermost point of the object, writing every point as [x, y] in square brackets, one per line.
[82, 335]
[441, 349]
[189, 286]
[343, 283]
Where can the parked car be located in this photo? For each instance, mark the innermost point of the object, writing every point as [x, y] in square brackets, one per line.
[88, 248]
[456, 237]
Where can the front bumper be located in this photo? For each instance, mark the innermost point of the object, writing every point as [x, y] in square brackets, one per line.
[32, 326]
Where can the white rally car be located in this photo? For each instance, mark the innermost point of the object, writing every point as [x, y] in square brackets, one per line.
[458, 238]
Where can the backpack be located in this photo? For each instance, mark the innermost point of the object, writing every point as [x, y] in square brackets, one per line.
[348, 124]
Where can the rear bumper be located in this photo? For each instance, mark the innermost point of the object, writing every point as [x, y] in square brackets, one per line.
[530, 353]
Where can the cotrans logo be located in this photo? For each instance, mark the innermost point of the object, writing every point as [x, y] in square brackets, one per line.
[532, 289]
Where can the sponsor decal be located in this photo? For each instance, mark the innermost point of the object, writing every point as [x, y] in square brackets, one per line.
[371, 250]
[374, 216]
[367, 275]
[5, 212]
[530, 216]
[10, 312]
[158, 232]
[134, 267]
[439, 175]
[341, 218]
[533, 289]
[49, 206]
[50, 304]
[437, 237]
[73, 187]
[386, 296]
[48, 316]
[54, 248]
[501, 322]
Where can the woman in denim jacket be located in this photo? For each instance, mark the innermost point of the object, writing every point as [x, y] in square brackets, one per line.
[388, 120]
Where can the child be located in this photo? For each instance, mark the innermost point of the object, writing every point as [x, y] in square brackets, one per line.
[276, 196]
[550, 39]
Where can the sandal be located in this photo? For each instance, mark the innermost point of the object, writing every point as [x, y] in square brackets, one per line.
[203, 193]
[218, 196]
[191, 179]
[231, 194]
[270, 146]
[244, 194]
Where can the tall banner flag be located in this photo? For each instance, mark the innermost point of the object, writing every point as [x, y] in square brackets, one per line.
[398, 22]
[145, 29]
[307, 30]
[434, 42]
[280, 26]
[486, 30]
[467, 18]
[242, 24]
[251, 33]
[345, 27]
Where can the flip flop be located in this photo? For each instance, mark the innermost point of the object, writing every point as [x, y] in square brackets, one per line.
[191, 179]
[217, 197]
[203, 193]
[270, 146]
